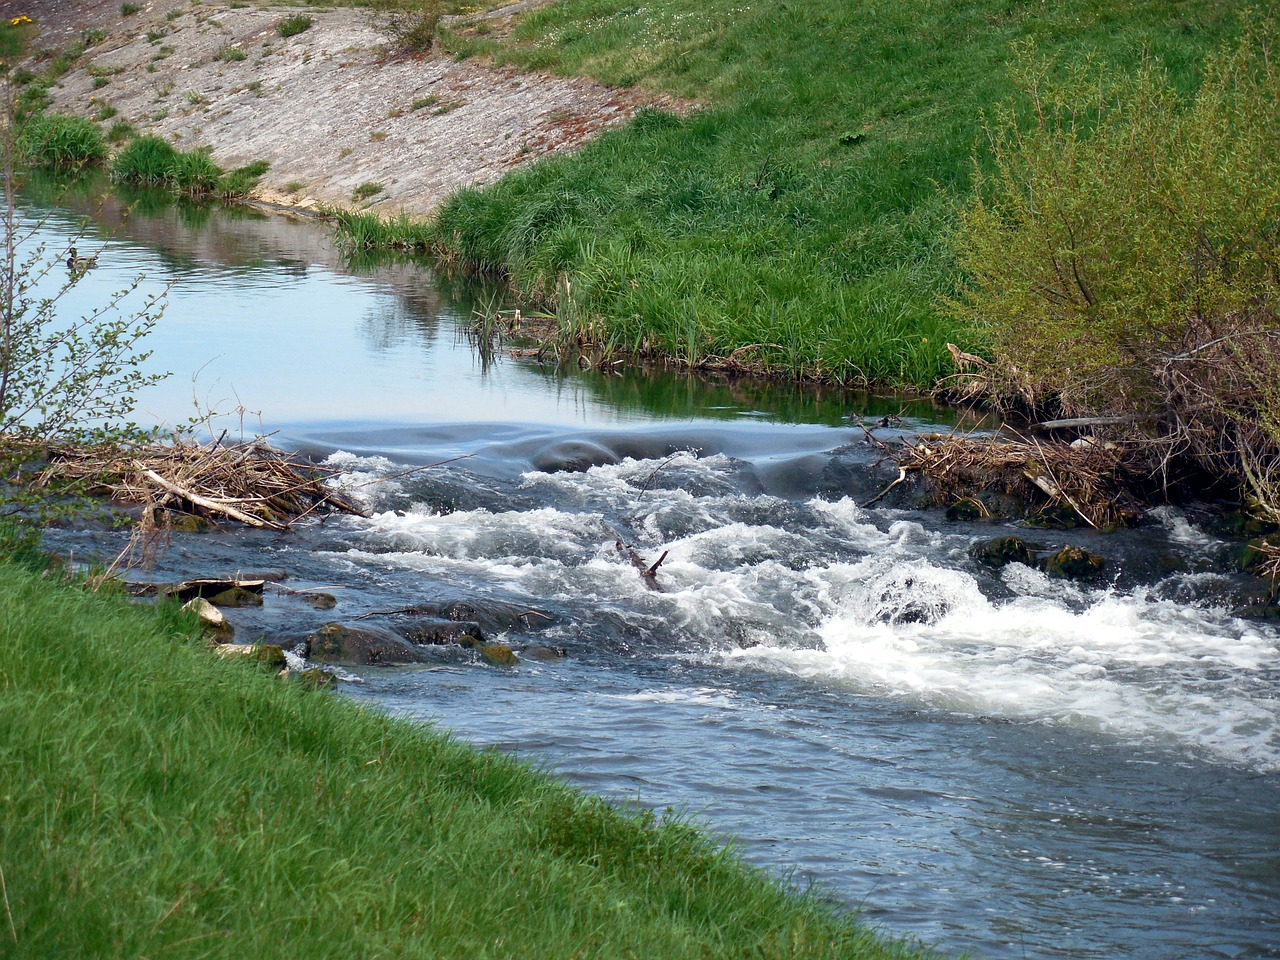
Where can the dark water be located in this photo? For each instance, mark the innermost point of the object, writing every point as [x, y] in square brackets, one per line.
[991, 762]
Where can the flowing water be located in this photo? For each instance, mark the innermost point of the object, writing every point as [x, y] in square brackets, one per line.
[990, 761]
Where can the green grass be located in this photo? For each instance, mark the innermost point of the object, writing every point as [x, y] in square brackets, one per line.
[161, 803]
[800, 221]
[292, 26]
[153, 160]
[57, 140]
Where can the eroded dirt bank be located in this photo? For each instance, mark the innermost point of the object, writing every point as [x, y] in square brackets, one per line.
[329, 108]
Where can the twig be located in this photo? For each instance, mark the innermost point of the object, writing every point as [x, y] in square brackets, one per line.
[902, 475]
[4, 887]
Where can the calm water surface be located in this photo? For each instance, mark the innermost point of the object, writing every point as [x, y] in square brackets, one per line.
[991, 762]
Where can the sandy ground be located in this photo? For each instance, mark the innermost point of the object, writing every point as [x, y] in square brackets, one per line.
[329, 108]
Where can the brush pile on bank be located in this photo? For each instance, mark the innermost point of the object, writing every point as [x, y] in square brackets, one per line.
[249, 482]
[1122, 262]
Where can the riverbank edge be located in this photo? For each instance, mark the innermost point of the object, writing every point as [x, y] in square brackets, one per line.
[159, 799]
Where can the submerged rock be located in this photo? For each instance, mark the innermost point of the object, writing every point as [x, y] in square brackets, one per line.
[1074, 563]
[360, 646]
[574, 456]
[313, 678]
[436, 632]
[237, 596]
[497, 654]
[321, 601]
[542, 653]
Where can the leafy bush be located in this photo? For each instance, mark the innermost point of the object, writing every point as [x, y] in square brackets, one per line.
[292, 26]
[1124, 257]
[57, 140]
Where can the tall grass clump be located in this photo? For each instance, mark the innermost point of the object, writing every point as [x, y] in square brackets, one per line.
[153, 160]
[797, 221]
[368, 231]
[240, 182]
[1123, 257]
[58, 140]
[162, 802]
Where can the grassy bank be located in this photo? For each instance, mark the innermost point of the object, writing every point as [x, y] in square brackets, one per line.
[798, 224]
[159, 803]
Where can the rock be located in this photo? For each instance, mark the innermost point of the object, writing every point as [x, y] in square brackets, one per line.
[574, 456]
[498, 654]
[212, 619]
[237, 596]
[1074, 563]
[542, 653]
[321, 601]
[185, 522]
[1055, 516]
[272, 654]
[435, 632]
[360, 646]
[966, 509]
[1001, 550]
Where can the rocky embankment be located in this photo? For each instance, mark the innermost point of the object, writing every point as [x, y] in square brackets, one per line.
[333, 110]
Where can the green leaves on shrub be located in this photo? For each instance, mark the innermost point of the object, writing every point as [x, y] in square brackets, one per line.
[57, 140]
[1124, 256]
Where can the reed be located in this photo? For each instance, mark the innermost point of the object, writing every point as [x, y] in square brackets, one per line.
[58, 140]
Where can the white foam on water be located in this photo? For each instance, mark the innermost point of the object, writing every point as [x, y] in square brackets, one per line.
[1148, 670]
[905, 619]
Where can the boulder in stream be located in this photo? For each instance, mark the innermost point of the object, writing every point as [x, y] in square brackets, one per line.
[497, 654]
[271, 654]
[1002, 550]
[360, 645]
[1073, 563]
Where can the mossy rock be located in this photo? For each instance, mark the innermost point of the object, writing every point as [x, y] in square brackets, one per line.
[1074, 563]
[360, 646]
[321, 601]
[1002, 550]
[1056, 516]
[438, 632]
[966, 509]
[188, 523]
[497, 654]
[236, 597]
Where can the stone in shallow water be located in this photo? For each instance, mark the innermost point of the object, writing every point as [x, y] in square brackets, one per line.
[498, 654]
[359, 646]
[1002, 550]
[1074, 563]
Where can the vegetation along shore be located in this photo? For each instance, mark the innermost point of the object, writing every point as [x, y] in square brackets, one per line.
[1061, 211]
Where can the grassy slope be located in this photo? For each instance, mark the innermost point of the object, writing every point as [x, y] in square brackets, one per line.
[806, 210]
[157, 802]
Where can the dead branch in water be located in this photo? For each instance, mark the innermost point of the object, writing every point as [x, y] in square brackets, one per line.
[648, 572]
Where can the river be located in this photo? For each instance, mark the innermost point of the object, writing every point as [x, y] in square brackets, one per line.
[989, 761]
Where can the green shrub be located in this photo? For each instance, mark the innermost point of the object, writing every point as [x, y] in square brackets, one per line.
[1124, 256]
[129, 9]
[57, 140]
[230, 54]
[292, 26]
[194, 171]
[120, 131]
[366, 190]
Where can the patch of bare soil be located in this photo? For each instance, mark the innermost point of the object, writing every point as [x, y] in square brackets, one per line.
[329, 108]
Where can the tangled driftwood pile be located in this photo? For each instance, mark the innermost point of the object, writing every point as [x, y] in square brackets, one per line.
[1088, 477]
[249, 482]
